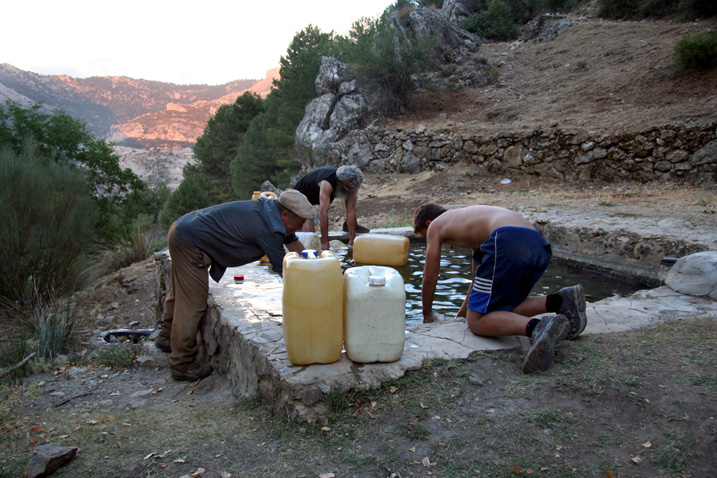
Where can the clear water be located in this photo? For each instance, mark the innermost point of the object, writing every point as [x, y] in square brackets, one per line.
[455, 277]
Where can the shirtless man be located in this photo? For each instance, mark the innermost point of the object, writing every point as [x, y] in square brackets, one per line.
[509, 256]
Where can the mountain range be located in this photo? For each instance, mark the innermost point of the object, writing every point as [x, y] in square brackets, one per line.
[152, 124]
[127, 110]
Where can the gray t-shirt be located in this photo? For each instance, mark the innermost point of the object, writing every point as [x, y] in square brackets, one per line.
[237, 233]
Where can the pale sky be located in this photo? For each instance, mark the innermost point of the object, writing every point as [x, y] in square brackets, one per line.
[175, 41]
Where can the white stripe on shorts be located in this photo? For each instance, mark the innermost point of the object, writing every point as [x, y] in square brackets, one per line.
[482, 285]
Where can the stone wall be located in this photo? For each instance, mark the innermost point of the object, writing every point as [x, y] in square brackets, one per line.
[625, 247]
[670, 152]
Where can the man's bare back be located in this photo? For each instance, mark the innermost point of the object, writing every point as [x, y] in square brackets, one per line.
[471, 226]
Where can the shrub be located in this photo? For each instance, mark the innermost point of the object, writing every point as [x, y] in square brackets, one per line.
[120, 355]
[561, 5]
[696, 52]
[46, 220]
[618, 9]
[66, 140]
[189, 196]
[135, 246]
[691, 9]
[52, 323]
[17, 345]
[494, 23]
[43, 324]
[388, 58]
[522, 11]
[680, 9]
[657, 8]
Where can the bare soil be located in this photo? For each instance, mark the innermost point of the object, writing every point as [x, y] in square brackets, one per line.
[639, 404]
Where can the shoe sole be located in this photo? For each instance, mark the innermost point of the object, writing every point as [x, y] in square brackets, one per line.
[180, 377]
[582, 315]
[541, 355]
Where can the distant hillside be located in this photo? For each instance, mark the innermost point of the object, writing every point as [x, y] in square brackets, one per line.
[129, 111]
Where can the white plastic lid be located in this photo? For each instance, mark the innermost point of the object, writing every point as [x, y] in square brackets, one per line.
[308, 254]
[376, 280]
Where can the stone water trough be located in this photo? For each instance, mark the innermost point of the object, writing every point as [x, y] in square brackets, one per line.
[243, 337]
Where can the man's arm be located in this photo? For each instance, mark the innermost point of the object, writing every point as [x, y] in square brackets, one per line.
[430, 274]
[351, 214]
[295, 246]
[325, 191]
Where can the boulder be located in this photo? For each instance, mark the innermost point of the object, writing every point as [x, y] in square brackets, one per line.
[48, 458]
[695, 275]
[706, 154]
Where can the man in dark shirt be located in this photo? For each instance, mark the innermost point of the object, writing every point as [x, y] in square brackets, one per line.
[226, 235]
[321, 186]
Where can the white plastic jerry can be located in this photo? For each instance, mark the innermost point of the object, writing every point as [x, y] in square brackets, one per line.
[374, 314]
[310, 240]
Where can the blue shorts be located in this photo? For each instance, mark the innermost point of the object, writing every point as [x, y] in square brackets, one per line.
[510, 263]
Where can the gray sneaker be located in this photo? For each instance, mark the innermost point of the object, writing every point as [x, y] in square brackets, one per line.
[573, 308]
[546, 336]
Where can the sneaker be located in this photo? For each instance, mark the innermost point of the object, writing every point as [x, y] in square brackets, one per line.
[359, 228]
[546, 336]
[162, 343]
[573, 308]
[195, 372]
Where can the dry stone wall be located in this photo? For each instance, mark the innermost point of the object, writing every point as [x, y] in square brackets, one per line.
[670, 152]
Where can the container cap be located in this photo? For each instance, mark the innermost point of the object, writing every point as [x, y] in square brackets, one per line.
[376, 280]
[308, 254]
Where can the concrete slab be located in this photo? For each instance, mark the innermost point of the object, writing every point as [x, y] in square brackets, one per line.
[643, 308]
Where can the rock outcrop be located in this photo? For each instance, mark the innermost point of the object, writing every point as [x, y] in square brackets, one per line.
[449, 43]
[544, 28]
[322, 137]
[334, 128]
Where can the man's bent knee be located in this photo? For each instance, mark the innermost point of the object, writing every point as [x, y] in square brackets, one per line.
[473, 319]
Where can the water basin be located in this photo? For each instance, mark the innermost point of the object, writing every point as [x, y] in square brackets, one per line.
[455, 277]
